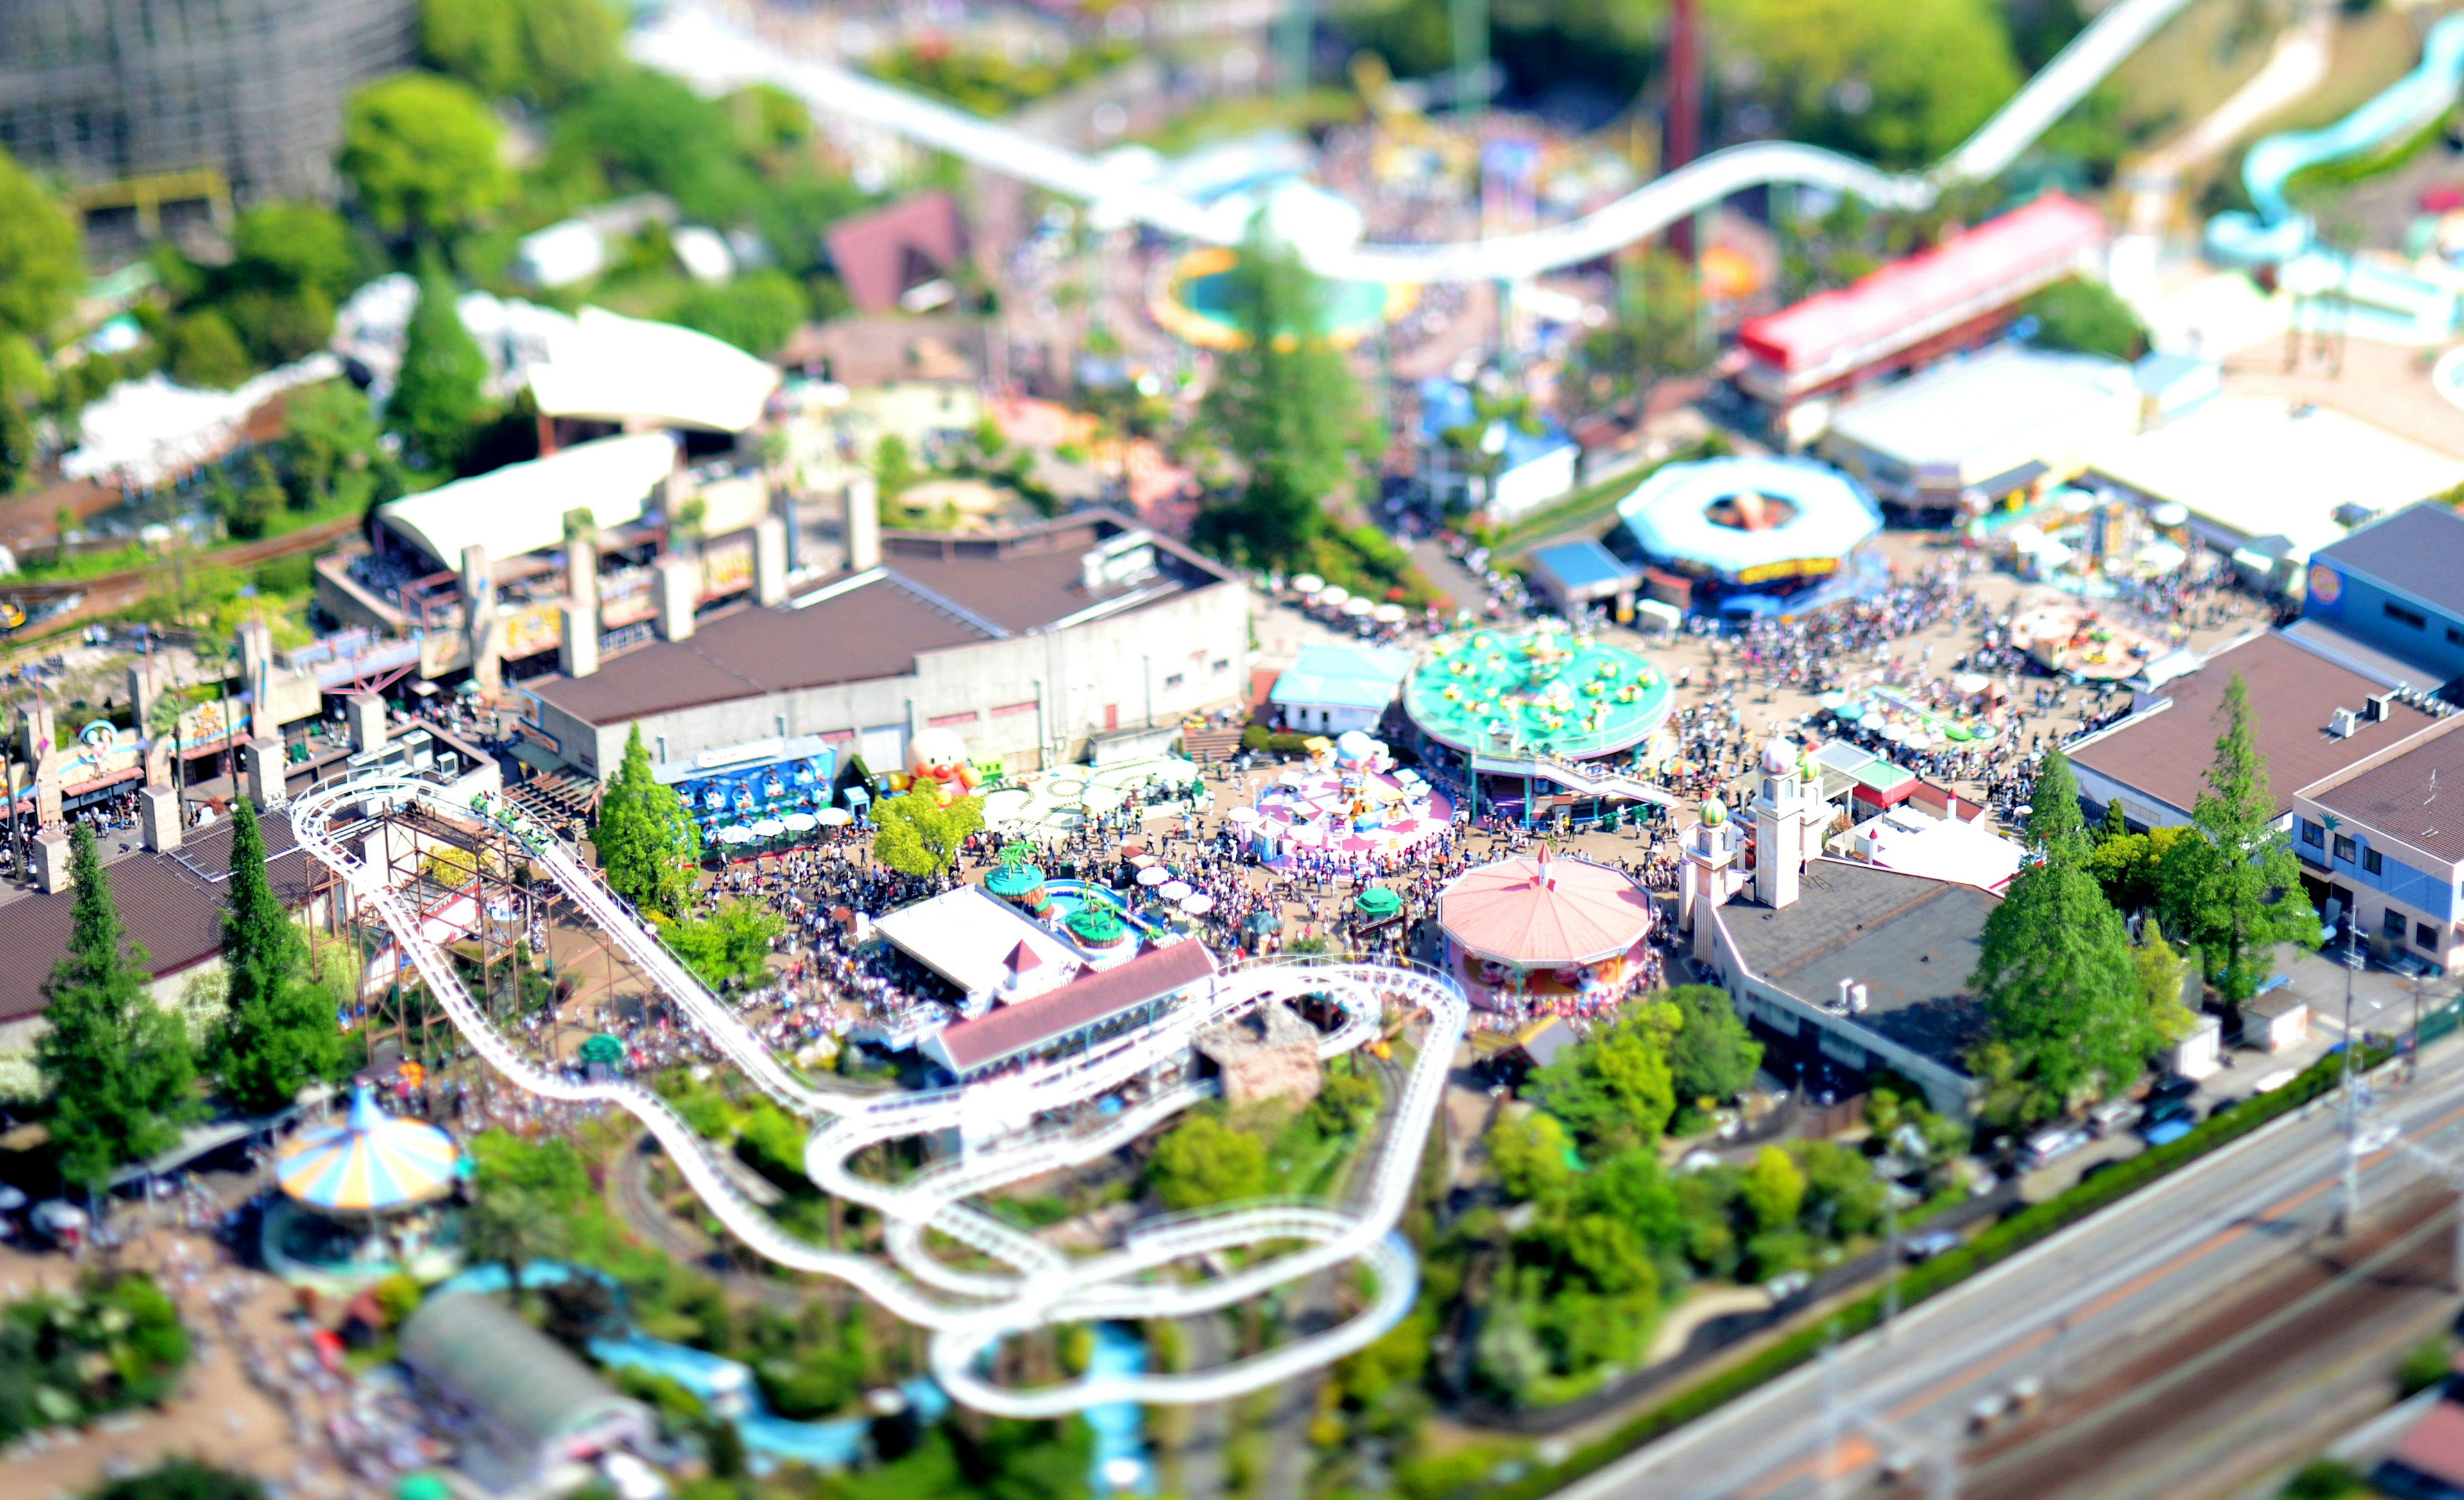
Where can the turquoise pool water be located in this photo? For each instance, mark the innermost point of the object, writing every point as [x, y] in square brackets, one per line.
[726, 1387]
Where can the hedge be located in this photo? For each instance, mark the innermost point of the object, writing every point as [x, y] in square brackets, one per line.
[1257, 737]
[1928, 1278]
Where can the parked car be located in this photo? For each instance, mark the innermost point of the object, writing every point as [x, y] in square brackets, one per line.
[2111, 1115]
[1785, 1285]
[2168, 1122]
[1926, 1247]
[2173, 1086]
[2047, 1145]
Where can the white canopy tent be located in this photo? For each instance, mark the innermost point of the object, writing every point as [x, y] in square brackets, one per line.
[522, 507]
[611, 368]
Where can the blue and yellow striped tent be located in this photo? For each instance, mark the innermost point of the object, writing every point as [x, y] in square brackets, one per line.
[369, 1164]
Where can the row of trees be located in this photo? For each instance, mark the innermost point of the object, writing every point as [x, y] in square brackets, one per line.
[2076, 1008]
[121, 1072]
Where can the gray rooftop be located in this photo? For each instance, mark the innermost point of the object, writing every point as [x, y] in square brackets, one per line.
[2418, 551]
[1912, 942]
[1983, 401]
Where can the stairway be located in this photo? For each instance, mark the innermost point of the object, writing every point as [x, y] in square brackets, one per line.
[1209, 744]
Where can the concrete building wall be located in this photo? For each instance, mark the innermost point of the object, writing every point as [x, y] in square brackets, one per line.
[1010, 699]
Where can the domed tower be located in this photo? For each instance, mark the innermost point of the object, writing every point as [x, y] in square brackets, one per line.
[1784, 806]
[1708, 849]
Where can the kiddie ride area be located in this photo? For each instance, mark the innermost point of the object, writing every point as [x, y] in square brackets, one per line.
[1015, 1125]
[1351, 800]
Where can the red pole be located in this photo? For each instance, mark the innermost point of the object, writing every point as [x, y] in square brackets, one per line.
[1681, 134]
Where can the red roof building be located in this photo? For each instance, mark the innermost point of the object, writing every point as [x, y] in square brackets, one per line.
[1918, 308]
[883, 254]
[1079, 1014]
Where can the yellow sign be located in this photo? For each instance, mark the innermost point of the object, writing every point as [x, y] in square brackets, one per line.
[209, 723]
[727, 568]
[528, 631]
[1793, 567]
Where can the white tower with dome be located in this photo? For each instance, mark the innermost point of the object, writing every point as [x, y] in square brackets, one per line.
[1785, 806]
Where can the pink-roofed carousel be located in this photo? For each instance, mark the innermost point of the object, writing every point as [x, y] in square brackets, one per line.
[1349, 803]
[1546, 935]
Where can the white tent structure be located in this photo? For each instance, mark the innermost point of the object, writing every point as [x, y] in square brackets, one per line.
[611, 368]
[522, 507]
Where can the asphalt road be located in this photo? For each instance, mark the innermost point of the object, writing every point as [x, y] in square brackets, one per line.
[2100, 1298]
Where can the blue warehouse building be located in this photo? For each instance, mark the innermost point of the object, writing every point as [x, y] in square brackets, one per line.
[2397, 586]
[2377, 839]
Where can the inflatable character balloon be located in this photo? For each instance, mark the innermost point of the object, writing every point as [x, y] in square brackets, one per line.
[937, 761]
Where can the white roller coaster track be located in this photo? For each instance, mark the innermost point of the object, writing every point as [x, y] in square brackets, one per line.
[968, 1311]
[690, 41]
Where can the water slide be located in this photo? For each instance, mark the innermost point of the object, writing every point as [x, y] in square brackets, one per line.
[2380, 302]
[716, 56]
[970, 1310]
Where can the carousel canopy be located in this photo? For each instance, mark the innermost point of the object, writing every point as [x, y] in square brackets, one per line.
[1540, 912]
[370, 1162]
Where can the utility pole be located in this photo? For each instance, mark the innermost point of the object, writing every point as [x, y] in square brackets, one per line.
[1293, 35]
[2350, 1214]
[1830, 1414]
[1891, 1265]
[1467, 23]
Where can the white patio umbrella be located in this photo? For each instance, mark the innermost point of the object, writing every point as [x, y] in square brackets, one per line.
[799, 821]
[1178, 890]
[834, 817]
[1198, 903]
[1153, 876]
[1307, 584]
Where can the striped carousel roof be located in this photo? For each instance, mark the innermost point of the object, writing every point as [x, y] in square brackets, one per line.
[370, 1162]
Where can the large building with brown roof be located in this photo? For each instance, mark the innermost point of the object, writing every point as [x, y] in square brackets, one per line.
[1029, 644]
[2315, 715]
[170, 903]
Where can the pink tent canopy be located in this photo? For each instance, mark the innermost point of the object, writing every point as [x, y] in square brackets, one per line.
[1542, 911]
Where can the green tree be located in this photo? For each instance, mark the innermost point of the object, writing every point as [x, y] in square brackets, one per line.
[2161, 973]
[1615, 1088]
[25, 385]
[1772, 1189]
[1657, 333]
[1288, 404]
[1712, 1056]
[732, 943]
[439, 400]
[41, 263]
[117, 1064]
[2054, 969]
[1203, 1161]
[2084, 317]
[424, 154]
[1900, 84]
[649, 846]
[545, 49]
[255, 508]
[756, 312]
[512, 1227]
[279, 1034]
[1527, 1152]
[637, 129]
[204, 350]
[329, 448]
[918, 836]
[2240, 894]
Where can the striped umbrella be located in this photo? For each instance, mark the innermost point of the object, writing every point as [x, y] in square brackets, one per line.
[370, 1163]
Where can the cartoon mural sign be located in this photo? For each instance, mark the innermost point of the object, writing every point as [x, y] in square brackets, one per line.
[102, 753]
[213, 722]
